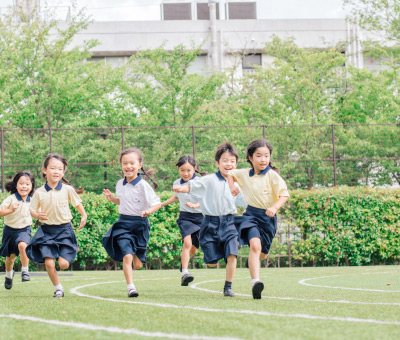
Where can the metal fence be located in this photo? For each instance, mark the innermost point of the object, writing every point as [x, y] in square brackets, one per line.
[307, 155]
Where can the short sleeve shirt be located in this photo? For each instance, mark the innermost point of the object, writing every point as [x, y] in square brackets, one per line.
[21, 217]
[262, 190]
[186, 197]
[55, 203]
[135, 196]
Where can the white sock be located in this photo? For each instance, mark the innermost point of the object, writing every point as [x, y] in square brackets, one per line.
[59, 287]
[185, 271]
[9, 274]
[253, 281]
[24, 269]
[131, 286]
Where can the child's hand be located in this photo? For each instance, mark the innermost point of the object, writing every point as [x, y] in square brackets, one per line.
[83, 222]
[234, 190]
[146, 213]
[177, 188]
[271, 212]
[192, 205]
[14, 207]
[108, 194]
[43, 216]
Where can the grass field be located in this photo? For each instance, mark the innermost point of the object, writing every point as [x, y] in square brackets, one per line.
[298, 303]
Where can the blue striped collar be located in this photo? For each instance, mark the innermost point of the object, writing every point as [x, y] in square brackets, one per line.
[134, 182]
[19, 198]
[58, 187]
[183, 182]
[251, 173]
[220, 177]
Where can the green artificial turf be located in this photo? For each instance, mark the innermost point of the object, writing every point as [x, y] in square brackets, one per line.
[164, 309]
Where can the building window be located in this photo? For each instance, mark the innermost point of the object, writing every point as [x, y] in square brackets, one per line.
[251, 60]
[203, 12]
[179, 11]
[242, 10]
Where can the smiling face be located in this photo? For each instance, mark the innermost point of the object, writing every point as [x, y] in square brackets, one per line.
[186, 171]
[130, 165]
[54, 172]
[24, 186]
[260, 159]
[226, 163]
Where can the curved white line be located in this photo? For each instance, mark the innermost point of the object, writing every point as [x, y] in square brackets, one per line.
[88, 326]
[248, 312]
[303, 282]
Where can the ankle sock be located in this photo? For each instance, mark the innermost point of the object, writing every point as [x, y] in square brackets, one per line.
[9, 274]
[185, 271]
[24, 269]
[228, 285]
[253, 281]
[58, 287]
[131, 286]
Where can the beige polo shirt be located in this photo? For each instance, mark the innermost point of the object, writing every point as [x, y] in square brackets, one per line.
[21, 217]
[260, 191]
[55, 203]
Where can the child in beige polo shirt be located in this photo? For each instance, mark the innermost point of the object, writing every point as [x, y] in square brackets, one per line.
[265, 192]
[55, 239]
[17, 220]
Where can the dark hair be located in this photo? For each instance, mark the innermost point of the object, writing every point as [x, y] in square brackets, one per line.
[147, 173]
[65, 163]
[190, 159]
[226, 147]
[259, 143]
[11, 186]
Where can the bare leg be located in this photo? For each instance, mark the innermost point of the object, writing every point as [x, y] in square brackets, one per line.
[254, 256]
[22, 254]
[10, 262]
[187, 246]
[231, 267]
[263, 256]
[127, 267]
[137, 263]
[63, 263]
[51, 270]
[211, 265]
[193, 251]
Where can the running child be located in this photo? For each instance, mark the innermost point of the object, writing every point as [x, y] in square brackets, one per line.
[190, 216]
[265, 192]
[127, 239]
[218, 234]
[17, 224]
[55, 239]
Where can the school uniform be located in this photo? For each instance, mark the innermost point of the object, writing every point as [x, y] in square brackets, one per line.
[55, 237]
[261, 191]
[190, 219]
[17, 225]
[130, 234]
[218, 234]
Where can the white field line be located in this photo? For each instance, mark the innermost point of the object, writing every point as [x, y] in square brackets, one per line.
[233, 311]
[305, 283]
[195, 286]
[91, 327]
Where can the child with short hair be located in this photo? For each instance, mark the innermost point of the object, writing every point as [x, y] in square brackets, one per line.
[55, 239]
[127, 239]
[265, 192]
[218, 234]
[17, 224]
[190, 216]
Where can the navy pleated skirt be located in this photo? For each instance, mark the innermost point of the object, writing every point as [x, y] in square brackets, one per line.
[53, 241]
[11, 238]
[218, 238]
[255, 223]
[189, 224]
[129, 235]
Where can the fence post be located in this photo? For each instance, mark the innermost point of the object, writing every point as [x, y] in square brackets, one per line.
[264, 131]
[123, 137]
[2, 160]
[51, 139]
[334, 154]
[194, 142]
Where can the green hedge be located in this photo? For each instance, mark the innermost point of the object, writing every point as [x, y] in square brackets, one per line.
[351, 226]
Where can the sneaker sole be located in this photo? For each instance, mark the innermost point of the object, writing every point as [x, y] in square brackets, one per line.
[187, 280]
[133, 295]
[257, 289]
[25, 280]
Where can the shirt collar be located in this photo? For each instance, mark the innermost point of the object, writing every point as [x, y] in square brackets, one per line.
[19, 198]
[58, 187]
[183, 182]
[220, 177]
[134, 182]
[251, 174]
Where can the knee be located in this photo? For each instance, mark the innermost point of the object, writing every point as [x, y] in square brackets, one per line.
[49, 263]
[193, 251]
[64, 264]
[138, 265]
[255, 247]
[22, 246]
[263, 256]
[211, 265]
[187, 244]
[231, 259]
[128, 258]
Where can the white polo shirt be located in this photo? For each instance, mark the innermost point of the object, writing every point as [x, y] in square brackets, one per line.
[186, 197]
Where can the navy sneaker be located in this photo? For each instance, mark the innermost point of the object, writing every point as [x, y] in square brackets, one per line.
[257, 288]
[25, 276]
[186, 279]
[9, 282]
[133, 293]
[58, 293]
[229, 292]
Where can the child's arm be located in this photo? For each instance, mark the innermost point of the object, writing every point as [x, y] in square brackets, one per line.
[181, 188]
[273, 210]
[192, 205]
[170, 200]
[82, 211]
[9, 210]
[39, 215]
[231, 182]
[151, 210]
[110, 197]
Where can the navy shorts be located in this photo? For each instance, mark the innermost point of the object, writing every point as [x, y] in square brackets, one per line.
[129, 235]
[189, 224]
[11, 238]
[53, 241]
[256, 223]
[218, 238]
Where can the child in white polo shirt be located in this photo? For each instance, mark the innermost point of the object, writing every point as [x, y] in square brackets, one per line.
[55, 239]
[265, 192]
[17, 220]
[127, 239]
